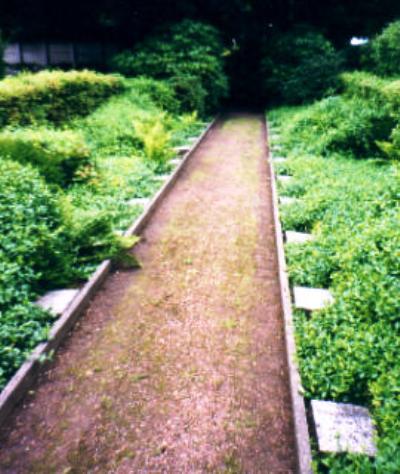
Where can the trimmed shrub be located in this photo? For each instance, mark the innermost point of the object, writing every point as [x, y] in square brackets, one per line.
[53, 96]
[60, 156]
[300, 67]
[384, 51]
[186, 53]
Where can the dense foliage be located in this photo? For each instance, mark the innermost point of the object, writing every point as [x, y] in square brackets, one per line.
[189, 55]
[348, 351]
[67, 193]
[363, 122]
[299, 67]
[384, 51]
[60, 156]
[53, 96]
[30, 239]
[2, 65]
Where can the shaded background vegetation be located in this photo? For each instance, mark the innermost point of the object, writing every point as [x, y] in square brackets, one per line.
[248, 27]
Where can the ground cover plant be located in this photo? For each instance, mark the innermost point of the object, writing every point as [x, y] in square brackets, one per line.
[348, 196]
[68, 184]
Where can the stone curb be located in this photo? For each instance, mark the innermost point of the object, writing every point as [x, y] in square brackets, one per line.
[21, 382]
[302, 437]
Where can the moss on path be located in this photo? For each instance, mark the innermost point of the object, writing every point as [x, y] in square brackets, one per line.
[179, 367]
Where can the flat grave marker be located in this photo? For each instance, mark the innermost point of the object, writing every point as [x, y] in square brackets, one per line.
[293, 237]
[311, 299]
[57, 301]
[284, 179]
[343, 427]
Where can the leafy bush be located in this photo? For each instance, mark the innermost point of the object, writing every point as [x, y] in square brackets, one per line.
[30, 240]
[60, 156]
[55, 96]
[300, 67]
[160, 92]
[338, 124]
[384, 50]
[188, 54]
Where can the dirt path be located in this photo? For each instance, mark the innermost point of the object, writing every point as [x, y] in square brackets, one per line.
[179, 367]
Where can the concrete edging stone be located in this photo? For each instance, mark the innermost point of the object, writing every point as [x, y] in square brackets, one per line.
[302, 437]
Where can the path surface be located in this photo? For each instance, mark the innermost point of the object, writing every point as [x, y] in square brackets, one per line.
[178, 367]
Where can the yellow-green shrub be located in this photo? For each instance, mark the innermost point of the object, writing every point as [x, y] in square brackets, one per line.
[155, 138]
[55, 96]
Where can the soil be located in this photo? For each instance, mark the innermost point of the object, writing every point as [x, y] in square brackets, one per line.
[178, 367]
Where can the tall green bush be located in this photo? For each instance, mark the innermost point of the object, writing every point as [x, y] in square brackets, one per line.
[189, 55]
[384, 51]
[2, 47]
[299, 67]
[53, 96]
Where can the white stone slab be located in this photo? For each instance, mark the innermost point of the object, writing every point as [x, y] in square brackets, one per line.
[161, 177]
[175, 161]
[279, 159]
[297, 237]
[342, 427]
[138, 201]
[311, 299]
[284, 179]
[57, 301]
[287, 200]
[181, 150]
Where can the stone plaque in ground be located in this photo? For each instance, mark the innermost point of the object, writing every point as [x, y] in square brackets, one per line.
[284, 179]
[57, 301]
[287, 200]
[297, 237]
[181, 150]
[342, 427]
[311, 299]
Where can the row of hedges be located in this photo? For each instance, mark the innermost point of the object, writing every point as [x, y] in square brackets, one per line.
[348, 352]
[53, 96]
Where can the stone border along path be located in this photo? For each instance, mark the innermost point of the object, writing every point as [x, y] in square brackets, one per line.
[180, 366]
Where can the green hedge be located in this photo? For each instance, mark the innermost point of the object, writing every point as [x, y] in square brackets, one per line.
[53, 96]
[60, 156]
